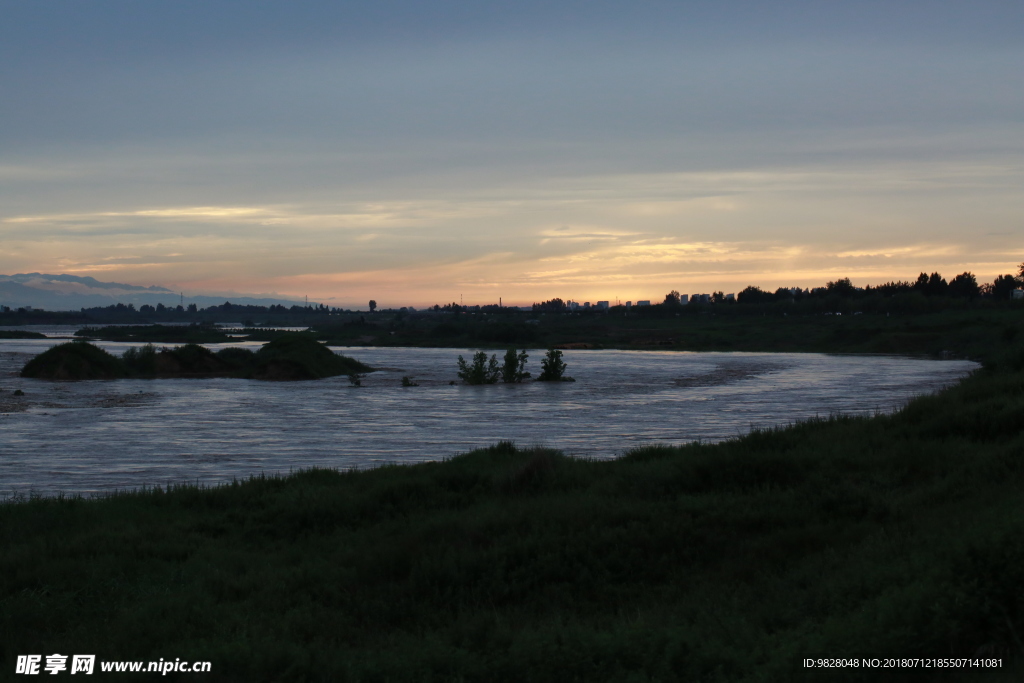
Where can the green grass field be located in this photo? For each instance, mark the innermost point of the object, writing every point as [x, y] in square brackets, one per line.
[891, 536]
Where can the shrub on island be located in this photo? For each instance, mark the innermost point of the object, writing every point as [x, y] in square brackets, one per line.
[484, 370]
[187, 360]
[513, 370]
[481, 371]
[553, 368]
[192, 360]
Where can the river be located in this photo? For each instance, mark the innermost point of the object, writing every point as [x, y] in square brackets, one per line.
[96, 436]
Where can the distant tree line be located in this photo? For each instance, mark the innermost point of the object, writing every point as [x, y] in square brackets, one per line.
[964, 286]
[551, 306]
[933, 287]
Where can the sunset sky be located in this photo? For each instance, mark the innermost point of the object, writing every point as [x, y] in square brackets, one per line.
[413, 152]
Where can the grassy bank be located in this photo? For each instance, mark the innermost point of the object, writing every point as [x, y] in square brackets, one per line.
[898, 536]
[970, 333]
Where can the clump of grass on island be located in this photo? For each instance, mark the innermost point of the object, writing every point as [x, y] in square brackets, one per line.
[75, 360]
[298, 356]
[898, 535]
[289, 357]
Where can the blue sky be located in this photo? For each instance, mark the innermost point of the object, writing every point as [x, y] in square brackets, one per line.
[414, 152]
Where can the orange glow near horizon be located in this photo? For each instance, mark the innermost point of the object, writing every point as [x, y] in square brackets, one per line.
[608, 238]
[429, 286]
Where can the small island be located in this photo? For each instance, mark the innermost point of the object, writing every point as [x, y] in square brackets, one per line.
[290, 357]
[20, 334]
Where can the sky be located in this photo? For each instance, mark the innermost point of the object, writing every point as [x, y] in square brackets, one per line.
[419, 153]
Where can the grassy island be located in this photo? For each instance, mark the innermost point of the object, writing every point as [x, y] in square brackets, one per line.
[20, 334]
[194, 333]
[289, 357]
[157, 334]
[893, 536]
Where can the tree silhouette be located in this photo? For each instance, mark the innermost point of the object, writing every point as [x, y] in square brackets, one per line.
[553, 305]
[482, 371]
[842, 287]
[936, 285]
[552, 367]
[754, 294]
[965, 285]
[373, 305]
[513, 370]
[1003, 286]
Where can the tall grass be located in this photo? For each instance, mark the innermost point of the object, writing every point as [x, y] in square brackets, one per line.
[896, 535]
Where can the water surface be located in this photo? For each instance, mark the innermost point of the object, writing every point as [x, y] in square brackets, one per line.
[93, 436]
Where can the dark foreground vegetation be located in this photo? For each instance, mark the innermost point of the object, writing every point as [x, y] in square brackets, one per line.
[289, 357]
[893, 536]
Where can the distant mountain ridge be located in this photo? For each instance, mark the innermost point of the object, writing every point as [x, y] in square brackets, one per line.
[73, 292]
[87, 281]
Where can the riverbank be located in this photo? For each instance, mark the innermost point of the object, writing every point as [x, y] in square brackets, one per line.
[893, 536]
[974, 333]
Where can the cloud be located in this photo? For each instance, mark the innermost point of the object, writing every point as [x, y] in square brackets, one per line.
[539, 149]
[783, 226]
[197, 212]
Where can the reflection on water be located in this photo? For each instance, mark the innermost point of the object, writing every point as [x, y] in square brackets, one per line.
[95, 436]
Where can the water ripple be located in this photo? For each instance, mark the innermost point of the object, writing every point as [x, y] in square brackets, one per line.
[94, 436]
